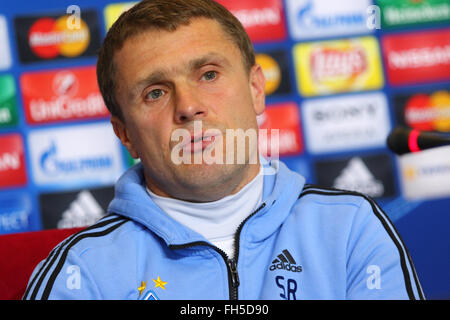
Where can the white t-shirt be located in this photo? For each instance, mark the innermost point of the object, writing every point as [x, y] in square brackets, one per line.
[218, 220]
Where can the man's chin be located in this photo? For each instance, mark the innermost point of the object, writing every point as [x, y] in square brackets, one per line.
[208, 182]
[202, 172]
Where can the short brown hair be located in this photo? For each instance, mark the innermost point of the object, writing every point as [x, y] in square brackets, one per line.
[166, 15]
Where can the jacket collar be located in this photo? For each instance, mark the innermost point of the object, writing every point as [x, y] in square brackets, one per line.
[281, 189]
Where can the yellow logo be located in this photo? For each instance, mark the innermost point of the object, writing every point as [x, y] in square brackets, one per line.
[429, 112]
[113, 11]
[271, 71]
[159, 283]
[76, 40]
[409, 173]
[338, 66]
[142, 287]
[49, 37]
[441, 101]
[147, 295]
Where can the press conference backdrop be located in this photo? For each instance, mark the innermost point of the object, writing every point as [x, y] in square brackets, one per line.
[340, 75]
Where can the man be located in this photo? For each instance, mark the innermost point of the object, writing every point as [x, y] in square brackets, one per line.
[185, 227]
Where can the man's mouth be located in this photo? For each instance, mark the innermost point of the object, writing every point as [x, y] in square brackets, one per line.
[195, 140]
[199, 143]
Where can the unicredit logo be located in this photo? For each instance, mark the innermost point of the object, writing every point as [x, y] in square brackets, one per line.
[72, 94]
[65, 83]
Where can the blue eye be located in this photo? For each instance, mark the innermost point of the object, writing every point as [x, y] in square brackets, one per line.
[155, 94]
[210, 75]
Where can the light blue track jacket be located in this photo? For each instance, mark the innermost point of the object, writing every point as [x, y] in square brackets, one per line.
[303, 242]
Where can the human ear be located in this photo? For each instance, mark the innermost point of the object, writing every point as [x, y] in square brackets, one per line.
[121, 132]
[257, 86]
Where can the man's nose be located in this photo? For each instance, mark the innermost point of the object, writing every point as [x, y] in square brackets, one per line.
[188, 105]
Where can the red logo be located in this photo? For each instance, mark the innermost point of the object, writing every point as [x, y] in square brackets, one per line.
[417, 57]
[429, 111]
[49, 37]
[286, 118]
[12, 161]
[262, 19]
[333, 63]
[61, 95]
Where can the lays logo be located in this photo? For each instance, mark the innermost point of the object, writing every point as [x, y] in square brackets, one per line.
[50, 37]
[429, 112]
[333, 65]
[338, 66]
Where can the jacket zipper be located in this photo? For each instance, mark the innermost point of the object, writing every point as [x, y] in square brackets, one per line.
[232, 267]
[233, 276]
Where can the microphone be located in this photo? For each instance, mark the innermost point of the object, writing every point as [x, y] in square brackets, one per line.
[404, 140]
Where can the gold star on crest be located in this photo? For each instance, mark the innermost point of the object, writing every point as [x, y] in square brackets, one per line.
[142, 287]
[159, 283]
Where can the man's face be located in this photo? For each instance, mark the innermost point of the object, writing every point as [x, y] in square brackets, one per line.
[167, 81]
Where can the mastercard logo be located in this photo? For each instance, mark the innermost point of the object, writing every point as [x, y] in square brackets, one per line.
[429, 112]
[49, 37]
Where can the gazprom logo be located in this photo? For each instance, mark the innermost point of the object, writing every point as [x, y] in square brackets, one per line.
[308, 17]
[75, 155]
[52, 164]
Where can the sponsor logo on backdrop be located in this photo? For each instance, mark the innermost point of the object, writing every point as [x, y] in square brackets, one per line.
[53, 36]
[338, 66]
[15, 211]
[417, 57]
[5, 52]
[424, 110]
[346, 122]
[75, 155]
[310, 19]
[276, 71]
[372, 174]
[58, 95]
[114, 10]
[73, 209]
[12, 161]
[262, 19]
[284, 117]
[426, 174]
[8, 102]
[412, 12]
